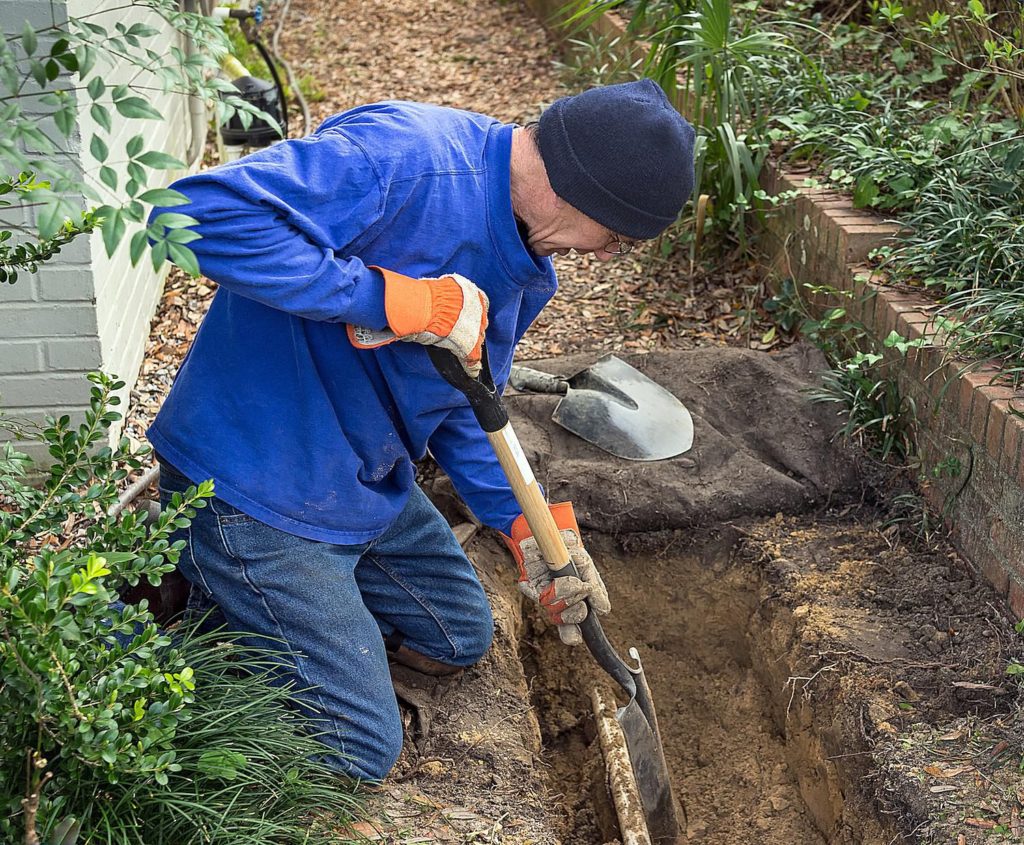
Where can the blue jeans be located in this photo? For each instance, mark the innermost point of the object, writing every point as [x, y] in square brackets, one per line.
[329, 609]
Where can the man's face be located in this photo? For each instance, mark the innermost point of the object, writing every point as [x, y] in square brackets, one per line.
[572, 230]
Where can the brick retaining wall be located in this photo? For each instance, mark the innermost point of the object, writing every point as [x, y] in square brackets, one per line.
[821, 239]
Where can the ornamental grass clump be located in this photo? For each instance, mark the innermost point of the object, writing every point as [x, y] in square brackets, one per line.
[111, 730]
[720, 64]
[966, 228]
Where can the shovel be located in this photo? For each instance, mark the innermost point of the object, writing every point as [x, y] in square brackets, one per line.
[615, 407]
[637, 718]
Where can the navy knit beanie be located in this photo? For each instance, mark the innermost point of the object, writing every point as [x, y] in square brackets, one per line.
[620, 154]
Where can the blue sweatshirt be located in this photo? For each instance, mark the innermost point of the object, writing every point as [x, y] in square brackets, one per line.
[297, 427]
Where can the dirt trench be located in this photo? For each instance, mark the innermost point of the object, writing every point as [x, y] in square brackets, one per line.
[817, 680]
[804, 691]
[711, 653]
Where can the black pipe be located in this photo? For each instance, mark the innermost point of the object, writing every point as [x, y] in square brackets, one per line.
[277, 80]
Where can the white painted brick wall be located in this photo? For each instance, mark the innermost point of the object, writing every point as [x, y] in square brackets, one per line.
[39, 13]
[83, 310]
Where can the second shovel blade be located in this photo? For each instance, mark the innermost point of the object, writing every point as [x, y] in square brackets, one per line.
[617, 408]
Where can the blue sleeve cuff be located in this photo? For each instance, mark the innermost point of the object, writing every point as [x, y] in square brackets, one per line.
[366, 307]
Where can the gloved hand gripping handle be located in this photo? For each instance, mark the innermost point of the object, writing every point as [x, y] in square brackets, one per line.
[490, 413]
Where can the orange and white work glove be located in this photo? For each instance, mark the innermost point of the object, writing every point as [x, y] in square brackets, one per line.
[565, 599]
[449, 312]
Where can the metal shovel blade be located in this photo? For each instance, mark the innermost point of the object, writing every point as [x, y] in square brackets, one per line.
[617, 408]
[650, 769]
[664, 816]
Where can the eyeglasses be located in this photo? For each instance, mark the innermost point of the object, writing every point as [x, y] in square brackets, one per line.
[617, 246]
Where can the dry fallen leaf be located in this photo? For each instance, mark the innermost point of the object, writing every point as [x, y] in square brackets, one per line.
[461, 815]
[369, 830]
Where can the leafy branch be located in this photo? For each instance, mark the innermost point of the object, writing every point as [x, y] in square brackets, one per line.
[36, 73]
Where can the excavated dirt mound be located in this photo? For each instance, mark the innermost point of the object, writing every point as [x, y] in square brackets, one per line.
[760, 447]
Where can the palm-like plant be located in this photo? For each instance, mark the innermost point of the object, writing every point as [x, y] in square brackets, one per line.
[722, 73]
[719, 69]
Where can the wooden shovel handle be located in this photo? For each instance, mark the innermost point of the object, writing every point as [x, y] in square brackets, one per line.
[538, 516]
[485, 400]
[530, 498]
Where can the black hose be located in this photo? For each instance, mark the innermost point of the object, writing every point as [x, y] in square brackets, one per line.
[277, 82]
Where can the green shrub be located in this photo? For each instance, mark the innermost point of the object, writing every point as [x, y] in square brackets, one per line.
[51, 72]
[107, 723]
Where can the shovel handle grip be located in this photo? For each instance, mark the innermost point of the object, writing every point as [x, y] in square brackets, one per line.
[534, 381]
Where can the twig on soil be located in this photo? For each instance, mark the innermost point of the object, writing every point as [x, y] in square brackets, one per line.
[891, 661]
[851, 754]
[899, 836]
